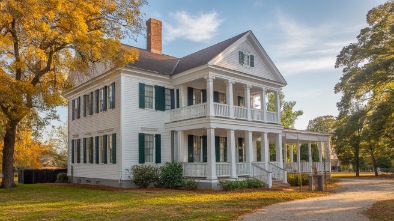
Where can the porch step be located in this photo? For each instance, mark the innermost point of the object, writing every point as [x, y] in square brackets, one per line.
[279, 185]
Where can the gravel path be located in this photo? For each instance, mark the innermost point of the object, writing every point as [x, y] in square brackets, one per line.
[347, 203]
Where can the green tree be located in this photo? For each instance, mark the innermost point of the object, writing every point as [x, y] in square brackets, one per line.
[41, 41]
[288, 117]
[323, 124]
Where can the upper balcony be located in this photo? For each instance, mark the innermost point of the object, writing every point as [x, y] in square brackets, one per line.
[210, 96]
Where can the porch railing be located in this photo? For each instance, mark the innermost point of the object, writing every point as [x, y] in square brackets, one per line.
[262, 174]
[240, 112]
[195, 169]
[272, 117]
[278, 173]
[242, 169]
[257, 114]
[223, 169]
[198, 110]
[306, 167]
[222, 110]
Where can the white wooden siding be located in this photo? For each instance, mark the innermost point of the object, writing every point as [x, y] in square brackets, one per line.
[230, 61]
[136, 120]
[103, 123]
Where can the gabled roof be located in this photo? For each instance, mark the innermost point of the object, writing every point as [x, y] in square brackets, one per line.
[205, 55]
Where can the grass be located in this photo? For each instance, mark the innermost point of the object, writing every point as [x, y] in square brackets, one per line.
[362, 174]
[381, 211]
[54, 202]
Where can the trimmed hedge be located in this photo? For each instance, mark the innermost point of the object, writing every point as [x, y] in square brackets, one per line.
[241, 184]
[294, 179]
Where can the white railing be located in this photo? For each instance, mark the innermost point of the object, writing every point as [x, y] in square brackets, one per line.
[222, 110]
[223, 169]
[240, 112]
[278, 173]
[257, 114]
[278, 164]
[242, 169]
[260, 164]
[199, 110]
[306, 167]
[272, 117]
[195, 169]
[262, 174]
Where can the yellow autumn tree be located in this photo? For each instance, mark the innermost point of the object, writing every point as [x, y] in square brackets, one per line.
[41, 41]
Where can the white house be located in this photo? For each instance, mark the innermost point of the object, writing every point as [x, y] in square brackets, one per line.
[199, 109]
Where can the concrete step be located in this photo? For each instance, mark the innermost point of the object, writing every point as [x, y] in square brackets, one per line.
[279, 185]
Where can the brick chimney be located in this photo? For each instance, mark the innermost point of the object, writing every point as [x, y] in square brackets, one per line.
[153, 43]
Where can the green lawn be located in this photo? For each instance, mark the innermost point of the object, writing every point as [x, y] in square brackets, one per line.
[353, 175]
[52, 202]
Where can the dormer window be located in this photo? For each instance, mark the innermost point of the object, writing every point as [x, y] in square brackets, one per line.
[246, 59]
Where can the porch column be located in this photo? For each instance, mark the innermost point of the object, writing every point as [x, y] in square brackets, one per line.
[291, 153]
[278, 146]
[181, 96]
[320, 148]
[231, 152]
[178, 146]
[298, 155]
[284, 153]
[247, 100]
[310, 155]
[329, 157]
[263, 105]
[277, 105]
[249, 148]
[265, 149]
[211, 158]
[230, 97]
[210, 106]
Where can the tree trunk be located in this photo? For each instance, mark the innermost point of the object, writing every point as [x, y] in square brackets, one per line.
[373, 160]
[8, 155]
[357, 159]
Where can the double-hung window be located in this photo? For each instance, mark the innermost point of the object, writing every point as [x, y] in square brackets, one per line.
[222, 98]
[197, 96]
[149, 148]
[246, 59]
[101, 99]
[197, 149]
[168, 99]
[77, 109]
[111, 96]
[149, 96]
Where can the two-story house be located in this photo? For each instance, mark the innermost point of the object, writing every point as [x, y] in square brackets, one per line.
[201, 109]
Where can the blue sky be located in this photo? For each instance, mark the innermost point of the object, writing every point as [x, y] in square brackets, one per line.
[302, 37]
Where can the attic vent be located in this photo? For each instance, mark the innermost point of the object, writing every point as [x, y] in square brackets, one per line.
[246, 59]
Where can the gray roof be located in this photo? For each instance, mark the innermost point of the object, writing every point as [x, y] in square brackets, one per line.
[165, 64]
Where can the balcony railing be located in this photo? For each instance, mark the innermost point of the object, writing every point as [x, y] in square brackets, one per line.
[222, 110]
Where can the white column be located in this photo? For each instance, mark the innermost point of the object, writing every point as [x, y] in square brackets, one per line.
[182, 97]
[265, 149]
[291, 153]
[329, 157]
[249, 146]
[278, 146]
[231, 154]
[211, 158]
[277, 104]
[254, 142]
[298, 155]
[247, 100]
[310, 155]
[320, 151]
[263, 105]
[230, 97]
[210, 107]
[178, 146]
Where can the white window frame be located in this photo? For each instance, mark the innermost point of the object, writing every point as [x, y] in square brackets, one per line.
[222, 98]
[110, 97]
[101, 99]
[109, 148]
[149, 148]
[77, 108]
[101, 149]
[197, 96]
[197, 149]
[167, 95]
[149, 97]
[222, 148]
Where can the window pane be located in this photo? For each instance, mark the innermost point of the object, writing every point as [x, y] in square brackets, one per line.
[197, 96]
[197, 149]
[101, 100]
[109, 145]
[168, 99]
[110, 97]
[102, 149]
[222, 98]
[149, 148]
[148, 96]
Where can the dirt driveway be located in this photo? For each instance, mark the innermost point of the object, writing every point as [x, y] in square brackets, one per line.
[347, 203]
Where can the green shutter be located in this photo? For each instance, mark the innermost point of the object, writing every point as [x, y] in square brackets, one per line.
[225, 150]
[72, 110]
[189, 96]
[172, 94]
[91, 103]
[142, 95]
[72, 151]
[79, 108]
[241, 57]
[251, 57]
[216, 96]
[105, 92]
[105, 148]
[97, 92]
[177, 98]
[84, 105]
[217, 148]
[97, 150]
[204, 95]
[113, 95]
[158, 148]
[84, 150]
[79, 151]
[204, 149]
[141, 147]
[91, 150]
[190, 148]
[114, 148]
[160, 98]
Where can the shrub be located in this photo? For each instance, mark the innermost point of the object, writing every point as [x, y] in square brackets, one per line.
[144, 175]
[240, 184]
[61, 178]
[171, 175]
[188, 184]
[294, 179]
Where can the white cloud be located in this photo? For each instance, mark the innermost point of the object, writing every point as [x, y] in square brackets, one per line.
[197, 28]
[299, 66]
